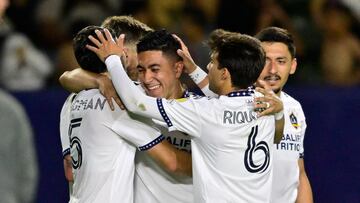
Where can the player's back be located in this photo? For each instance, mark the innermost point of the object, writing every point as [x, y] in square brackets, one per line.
[231, 147]
[103, 163]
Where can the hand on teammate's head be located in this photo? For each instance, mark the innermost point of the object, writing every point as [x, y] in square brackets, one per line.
[106, 45]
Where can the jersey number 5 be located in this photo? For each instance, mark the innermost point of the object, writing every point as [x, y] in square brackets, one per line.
[75, 144]
[252, 148]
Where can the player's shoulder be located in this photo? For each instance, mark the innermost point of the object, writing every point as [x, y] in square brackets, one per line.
[286, 98]
[291, 104]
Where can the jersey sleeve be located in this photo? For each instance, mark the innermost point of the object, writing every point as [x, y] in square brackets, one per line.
[64, 125]
[181, 114]
[134, 99]
[141, 132]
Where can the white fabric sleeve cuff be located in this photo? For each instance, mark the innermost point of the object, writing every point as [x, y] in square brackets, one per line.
[208, 92]
[279, 115]
[198, 75]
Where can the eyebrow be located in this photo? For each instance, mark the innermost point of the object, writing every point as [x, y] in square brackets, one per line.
[150, 66]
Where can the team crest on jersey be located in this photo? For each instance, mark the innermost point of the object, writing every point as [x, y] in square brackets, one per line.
[294, 121]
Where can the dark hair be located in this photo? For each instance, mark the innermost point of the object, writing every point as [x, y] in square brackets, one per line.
[276, 34]
[87, 59]
[133, 29]
[160, 40]
[241, 54]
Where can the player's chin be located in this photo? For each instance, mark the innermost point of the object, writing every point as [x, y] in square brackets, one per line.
[155, 93]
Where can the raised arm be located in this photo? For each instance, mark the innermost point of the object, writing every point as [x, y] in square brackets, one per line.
[80, 79]
[198, 75]
[110, 51]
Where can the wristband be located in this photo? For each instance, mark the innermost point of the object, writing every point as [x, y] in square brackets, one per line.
[198, 75]
[279, 115]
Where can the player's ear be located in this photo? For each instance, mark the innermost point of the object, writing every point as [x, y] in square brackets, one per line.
[293, 66]
[179, 66]
[225, 73]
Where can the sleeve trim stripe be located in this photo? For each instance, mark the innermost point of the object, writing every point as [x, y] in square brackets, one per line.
[301, 155]
[65, 152]
[152, 143]
[163, 113]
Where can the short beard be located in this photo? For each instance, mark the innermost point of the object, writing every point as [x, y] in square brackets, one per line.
[277, 90]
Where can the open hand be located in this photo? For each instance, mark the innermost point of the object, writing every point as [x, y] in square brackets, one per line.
[106, 45]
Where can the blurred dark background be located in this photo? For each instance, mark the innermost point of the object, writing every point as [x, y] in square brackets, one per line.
[35, 39]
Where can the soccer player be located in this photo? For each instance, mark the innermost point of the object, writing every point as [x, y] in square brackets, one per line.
[291, 183]
[153, 182]
[231, 146]
[102, 158]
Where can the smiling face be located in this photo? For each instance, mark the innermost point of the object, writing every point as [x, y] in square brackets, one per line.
[159, 74]
[279, 65]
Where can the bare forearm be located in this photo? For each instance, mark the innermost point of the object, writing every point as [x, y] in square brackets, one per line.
[78, 80]
[304, 189]
[172, 159]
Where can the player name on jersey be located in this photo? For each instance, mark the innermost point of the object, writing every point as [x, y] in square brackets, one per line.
[96, 104]
[290, 142]
[238, 117]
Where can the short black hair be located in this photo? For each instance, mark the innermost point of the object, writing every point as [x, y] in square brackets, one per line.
[133, 29]
[241, 54]
[87, 59]
[160, 40]
[276, 34]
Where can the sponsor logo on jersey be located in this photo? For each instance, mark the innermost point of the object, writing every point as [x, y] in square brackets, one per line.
[293, 120]
[180, 143]
[290, 142]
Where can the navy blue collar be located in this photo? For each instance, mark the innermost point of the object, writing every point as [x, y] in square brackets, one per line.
[242, 93]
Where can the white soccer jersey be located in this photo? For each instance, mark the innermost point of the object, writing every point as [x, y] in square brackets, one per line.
[103, 162]
[153, 184]
[64, 125]
[288, 152]
[231, 148]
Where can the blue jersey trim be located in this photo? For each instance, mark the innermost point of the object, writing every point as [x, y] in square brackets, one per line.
[152, 143]
[301, 155]
[66, 152]
[163, 113]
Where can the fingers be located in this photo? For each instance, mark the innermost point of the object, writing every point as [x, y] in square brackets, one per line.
[95, 41]
[179, 40]
[120, 40]
[101, 36]
[263, 84]
[109, 101]
[119, 103]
